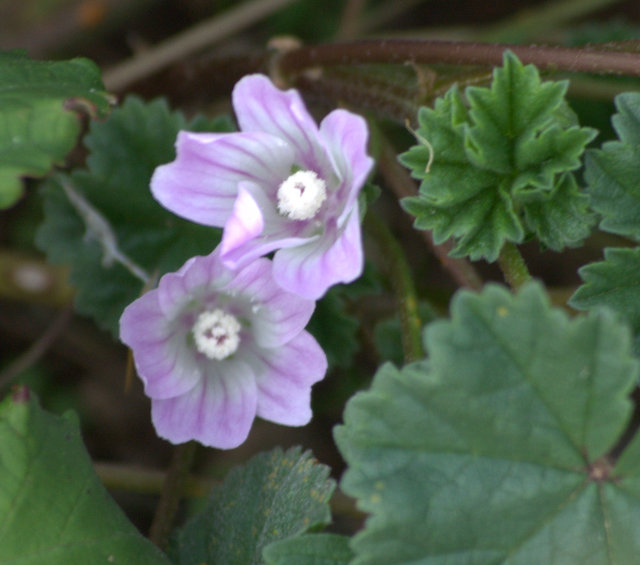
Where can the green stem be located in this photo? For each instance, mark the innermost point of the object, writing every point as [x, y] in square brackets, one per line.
[513, 266]
[128, 478]
[172, 490]
[402, 283]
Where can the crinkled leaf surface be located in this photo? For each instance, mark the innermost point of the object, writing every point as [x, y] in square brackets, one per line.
[310, 549]
[612, 175]
[615, 283]
[125, 150]
[53, 508]
[493, 451]
[275, 496]
[500, 162]
[40, 103]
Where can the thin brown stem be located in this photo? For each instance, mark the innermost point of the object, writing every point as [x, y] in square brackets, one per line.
[172, 491]
[38, 349]
[587, 59]
[399, 181]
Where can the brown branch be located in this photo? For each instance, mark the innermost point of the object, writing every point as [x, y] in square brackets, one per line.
[398, 180]
[588, 59]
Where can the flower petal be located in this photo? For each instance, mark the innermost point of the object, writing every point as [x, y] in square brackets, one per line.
[345, 137]
[284, 380]
[255, 228]
[277, 316]
[309, 270]
[201, 184]
[166, 367]
[217, 412]
[244, 224]
[261, 107]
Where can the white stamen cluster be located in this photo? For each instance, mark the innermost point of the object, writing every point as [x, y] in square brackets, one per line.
[216, 334]
[301, 195]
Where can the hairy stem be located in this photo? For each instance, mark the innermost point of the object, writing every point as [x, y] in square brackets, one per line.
[399, 181]
[513, 266]
[399, 273]
[587, 59]
[172, 491]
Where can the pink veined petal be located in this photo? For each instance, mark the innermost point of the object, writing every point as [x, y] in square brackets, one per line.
[277, 316]
[309, 270]
[240, 245]
[284, 379]
[345, 136]
[244, 224]
[217, 412]
[166, 367]
[201, 183]
[260, 106]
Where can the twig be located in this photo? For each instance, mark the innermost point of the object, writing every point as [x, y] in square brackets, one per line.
[38, 348]
[190, 41]
[98, 227]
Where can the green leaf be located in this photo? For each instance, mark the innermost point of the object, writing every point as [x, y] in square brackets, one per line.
[125, 150]
[310, 549]
[275, 496]
[53, 508]
[501, 161]
[40, 107]
[612, 176]
[494, 450]
[613, 283]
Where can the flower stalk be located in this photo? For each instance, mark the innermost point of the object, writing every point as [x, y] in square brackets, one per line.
[172, 490]
[399, 272]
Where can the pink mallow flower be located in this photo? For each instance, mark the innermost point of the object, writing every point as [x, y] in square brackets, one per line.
[215, 348]
[280, 184]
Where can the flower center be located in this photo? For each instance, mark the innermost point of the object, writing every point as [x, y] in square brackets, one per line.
[216, 334]
[301, 195]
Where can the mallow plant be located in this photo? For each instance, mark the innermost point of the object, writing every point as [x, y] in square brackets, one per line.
[240, 259]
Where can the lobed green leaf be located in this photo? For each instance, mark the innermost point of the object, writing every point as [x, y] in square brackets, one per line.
[495, 449]
[613, 179]
[53, 508]
[613, 283]
[40, 107]
[501, 160]
[275, 496]
[125, 150]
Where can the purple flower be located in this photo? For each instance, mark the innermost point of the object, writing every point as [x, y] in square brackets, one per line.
[280, 184]
[215, 348]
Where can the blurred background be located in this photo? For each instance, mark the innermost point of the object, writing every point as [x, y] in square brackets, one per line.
[192, 52]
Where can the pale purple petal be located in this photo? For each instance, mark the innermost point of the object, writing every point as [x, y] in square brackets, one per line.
[345, 136]
[245, 224]
[217, 412]
[261, 107]
[201, 183]
[285, 378]
[277, 316]
[238, 246]
[164, 365]
[309, 270]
